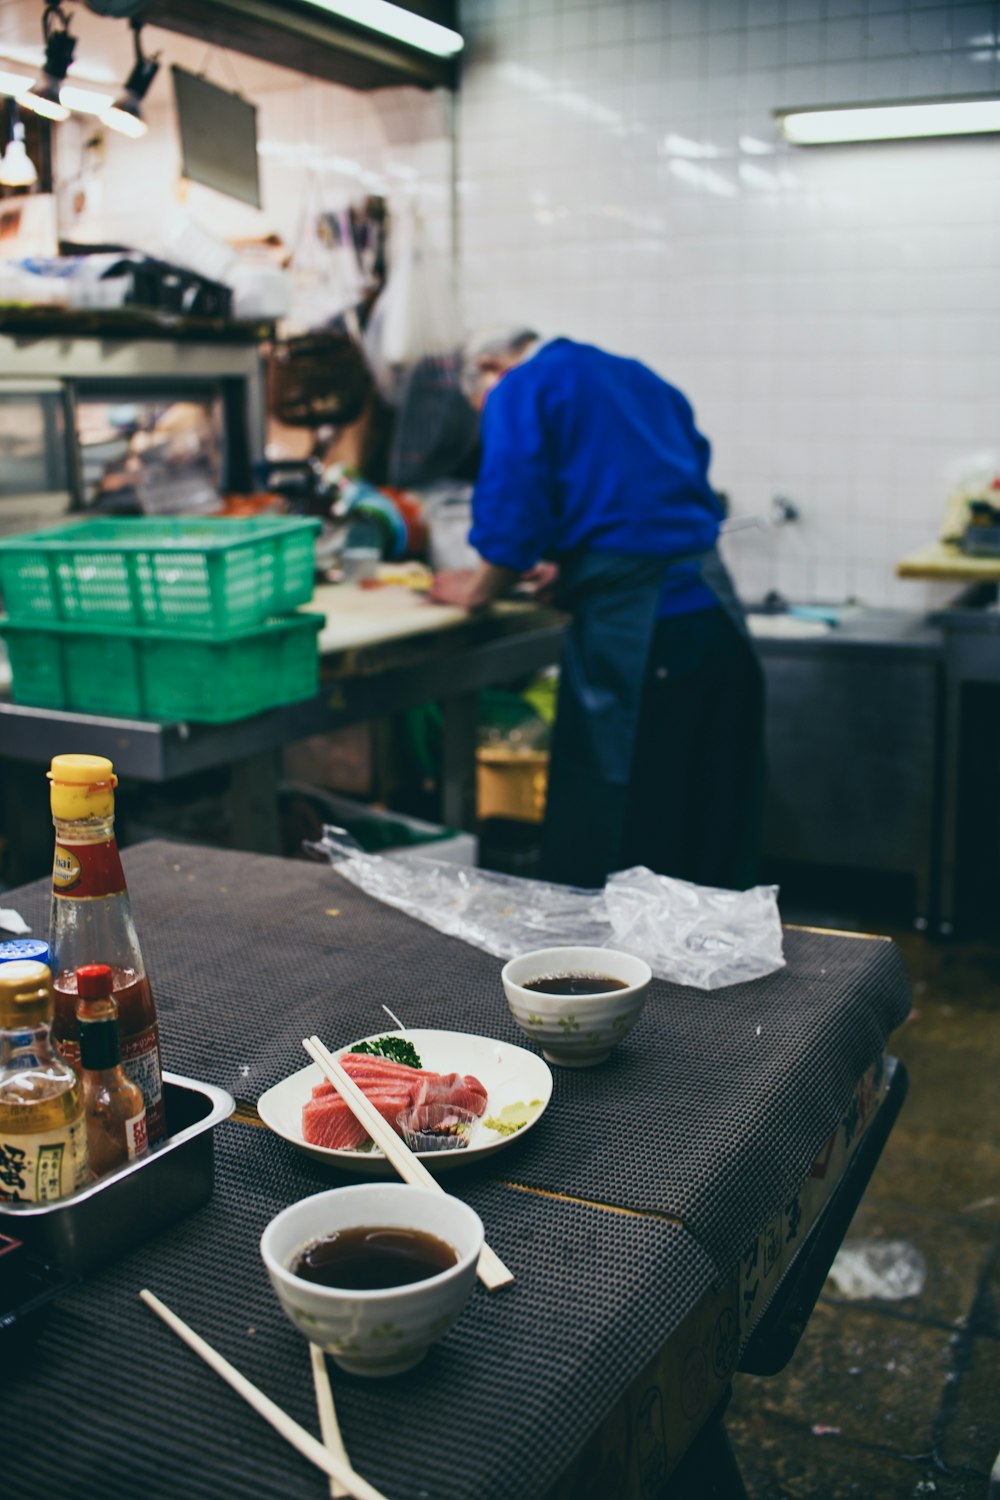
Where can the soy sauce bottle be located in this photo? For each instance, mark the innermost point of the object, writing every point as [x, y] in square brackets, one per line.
[91, 924]
[113, 1104]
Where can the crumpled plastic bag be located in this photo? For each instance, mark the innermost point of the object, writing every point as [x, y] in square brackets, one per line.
[891, 1270]
[695, 934]
[688, 934]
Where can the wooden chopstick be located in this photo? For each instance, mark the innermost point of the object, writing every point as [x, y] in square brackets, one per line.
[491, 1270]
[328, 1424]
[282, 1423]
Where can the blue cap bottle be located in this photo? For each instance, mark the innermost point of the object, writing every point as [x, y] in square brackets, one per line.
[25, 950]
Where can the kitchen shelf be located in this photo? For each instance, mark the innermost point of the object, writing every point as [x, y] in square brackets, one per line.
[22, 319]
[943, 562]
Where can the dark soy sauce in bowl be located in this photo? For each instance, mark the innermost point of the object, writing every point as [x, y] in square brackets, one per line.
[575, 984]
[373, 1259]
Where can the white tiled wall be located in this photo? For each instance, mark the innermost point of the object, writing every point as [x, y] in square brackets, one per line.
[833, 314]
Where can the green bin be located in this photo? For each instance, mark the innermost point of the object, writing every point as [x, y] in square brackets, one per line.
[198, 574]
[147, 674]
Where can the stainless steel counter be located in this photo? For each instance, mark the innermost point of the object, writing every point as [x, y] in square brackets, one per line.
[853, 748]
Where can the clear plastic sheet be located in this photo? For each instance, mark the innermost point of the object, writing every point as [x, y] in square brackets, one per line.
[689, 934]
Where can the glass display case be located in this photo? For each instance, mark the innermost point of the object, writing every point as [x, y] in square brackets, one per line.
[151, 452]
[35, 451]
[125, 426]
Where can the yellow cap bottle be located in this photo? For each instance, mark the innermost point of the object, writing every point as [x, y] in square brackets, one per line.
[43, 1133]
[91, 923]
[83, 786]
[25, 994]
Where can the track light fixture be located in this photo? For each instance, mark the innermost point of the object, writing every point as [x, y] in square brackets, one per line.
[125, 115]
[43, 96]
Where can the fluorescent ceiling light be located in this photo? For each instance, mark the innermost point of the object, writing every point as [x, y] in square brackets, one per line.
[14, 83]
[126, 117]
[392, 20]
[43, 99]
[890, 122]
[84, 101]
[31, 57]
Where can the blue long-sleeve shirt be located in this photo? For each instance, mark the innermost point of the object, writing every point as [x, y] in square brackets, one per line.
[586, 449]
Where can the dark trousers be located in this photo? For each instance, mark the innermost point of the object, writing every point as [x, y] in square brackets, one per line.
[694, 796]
[691, 806]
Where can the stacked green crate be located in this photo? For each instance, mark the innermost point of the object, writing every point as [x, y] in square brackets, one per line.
[175, 619]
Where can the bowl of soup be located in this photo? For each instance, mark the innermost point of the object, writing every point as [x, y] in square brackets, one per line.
[374, 1273]
[577, 1004]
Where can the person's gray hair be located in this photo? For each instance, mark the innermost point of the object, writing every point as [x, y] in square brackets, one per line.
[491, 343]
[495, 343]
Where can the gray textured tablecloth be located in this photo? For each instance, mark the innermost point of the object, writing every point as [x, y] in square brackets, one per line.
[711, 1112]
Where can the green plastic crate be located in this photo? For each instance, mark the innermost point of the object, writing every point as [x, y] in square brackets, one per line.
[194, 574]
[151, 675]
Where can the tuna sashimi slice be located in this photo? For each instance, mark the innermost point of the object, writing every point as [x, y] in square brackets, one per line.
[451, 1088]
[363, 1062]
[330, 1123]
[437, 1088]
[327, 1120]
[362, 1068]
[335, 1128]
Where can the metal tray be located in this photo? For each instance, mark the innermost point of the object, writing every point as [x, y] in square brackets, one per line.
[116, 1213]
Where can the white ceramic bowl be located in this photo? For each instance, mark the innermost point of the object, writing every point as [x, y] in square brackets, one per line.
[576, 1031]
[374, 1332]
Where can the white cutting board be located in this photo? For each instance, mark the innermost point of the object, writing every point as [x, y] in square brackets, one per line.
[363, 617]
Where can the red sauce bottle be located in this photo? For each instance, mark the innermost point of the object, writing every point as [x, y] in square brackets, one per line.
[91, 924]
[113, 1105]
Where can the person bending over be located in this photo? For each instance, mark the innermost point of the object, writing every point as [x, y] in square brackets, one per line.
[592, 462]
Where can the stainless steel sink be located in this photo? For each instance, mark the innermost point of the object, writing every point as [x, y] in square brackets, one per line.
[786, 627]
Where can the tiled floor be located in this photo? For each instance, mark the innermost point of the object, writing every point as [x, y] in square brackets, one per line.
[886, 1400]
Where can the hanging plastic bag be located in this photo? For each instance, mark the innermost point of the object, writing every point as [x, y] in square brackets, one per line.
[417, 314]
[326, 273]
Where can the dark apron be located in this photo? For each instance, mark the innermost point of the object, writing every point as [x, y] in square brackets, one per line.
[613, 598]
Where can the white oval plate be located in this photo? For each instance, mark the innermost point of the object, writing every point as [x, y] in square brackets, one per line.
[510, 1075]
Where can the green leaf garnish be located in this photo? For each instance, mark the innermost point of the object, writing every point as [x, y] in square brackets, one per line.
[396, 1048]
